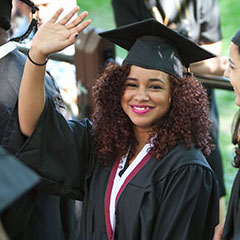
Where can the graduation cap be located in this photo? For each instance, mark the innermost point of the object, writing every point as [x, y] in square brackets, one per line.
[153, 45]
[6, 12]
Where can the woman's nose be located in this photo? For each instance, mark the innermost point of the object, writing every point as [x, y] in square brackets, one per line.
[141, 95]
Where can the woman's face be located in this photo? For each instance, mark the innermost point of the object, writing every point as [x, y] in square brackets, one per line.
[146, 97]
[233, 71]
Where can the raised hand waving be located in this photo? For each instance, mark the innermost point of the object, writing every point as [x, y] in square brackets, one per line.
[55, 34]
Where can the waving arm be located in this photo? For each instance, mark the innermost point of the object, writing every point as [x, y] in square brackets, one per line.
[52, 37]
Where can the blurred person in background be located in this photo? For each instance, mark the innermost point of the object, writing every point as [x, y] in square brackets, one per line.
[198, 20]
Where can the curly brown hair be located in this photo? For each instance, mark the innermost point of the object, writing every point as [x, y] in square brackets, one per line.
[186, 121]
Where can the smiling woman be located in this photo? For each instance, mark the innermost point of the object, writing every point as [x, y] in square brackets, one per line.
[140, 167]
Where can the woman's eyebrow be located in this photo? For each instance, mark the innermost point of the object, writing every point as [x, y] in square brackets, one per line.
[156, 80]
[131, 78]
[150, 79]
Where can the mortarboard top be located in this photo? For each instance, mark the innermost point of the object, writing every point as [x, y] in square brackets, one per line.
[155, 46]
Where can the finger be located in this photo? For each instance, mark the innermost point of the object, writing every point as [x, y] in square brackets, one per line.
[56, 15]
[69, 16]
[78, 20]
[69, 41]
[72, 38]
[80, 27]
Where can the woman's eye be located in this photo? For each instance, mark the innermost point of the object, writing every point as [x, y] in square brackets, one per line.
[155, 87]
[131, 85]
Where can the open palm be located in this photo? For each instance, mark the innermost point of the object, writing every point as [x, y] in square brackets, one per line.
[56, 35]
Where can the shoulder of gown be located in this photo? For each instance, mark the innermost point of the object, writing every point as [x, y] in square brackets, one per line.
[187, 192]
[179, 157]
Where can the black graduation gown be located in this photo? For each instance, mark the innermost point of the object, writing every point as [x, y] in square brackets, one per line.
[175, 198]
[232, 223]
[35, 215]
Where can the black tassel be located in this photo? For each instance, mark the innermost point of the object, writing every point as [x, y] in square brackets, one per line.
[188, 73]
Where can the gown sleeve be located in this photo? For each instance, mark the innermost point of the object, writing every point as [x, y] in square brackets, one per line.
[60, 152]
[188, 205]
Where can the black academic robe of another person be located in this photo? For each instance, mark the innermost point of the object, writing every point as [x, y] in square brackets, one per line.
[36, 215]
[175, 198]
[203, 26]
[232, 223]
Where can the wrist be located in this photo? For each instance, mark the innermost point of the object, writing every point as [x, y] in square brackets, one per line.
[36, 63]
[36, 55]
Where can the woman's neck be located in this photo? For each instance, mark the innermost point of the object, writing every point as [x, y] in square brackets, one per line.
[3, 36]
[142, 135]
[137, 150]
